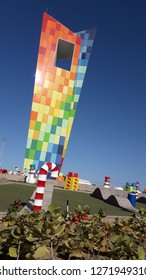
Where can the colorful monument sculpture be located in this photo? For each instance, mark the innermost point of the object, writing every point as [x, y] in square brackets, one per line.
[62, 62]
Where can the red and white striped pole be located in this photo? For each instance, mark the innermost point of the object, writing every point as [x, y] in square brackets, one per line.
[42, 177]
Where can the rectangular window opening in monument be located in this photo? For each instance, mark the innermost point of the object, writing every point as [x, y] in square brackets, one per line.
[64, 54]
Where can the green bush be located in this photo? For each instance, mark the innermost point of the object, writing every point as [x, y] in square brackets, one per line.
[61, 235]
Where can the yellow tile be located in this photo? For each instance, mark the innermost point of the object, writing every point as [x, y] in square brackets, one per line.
[51, 111]
[35, 106]
[40, 90]
[59, 95]
[39, 117]
[44, 146]
[62, 80]
[43, 126]
[63, 131]
[56, 112]
[61, 113]
[50, 118]
[65, 89]
[58, 72]
[30, 133]
[56, 139]
[67, 74]
[46, 110]
[53, 101]
[46, 84]
[41, 109]
[27, 163]
[35, 89]
[71, 84]
[73, 69]
[54, 94]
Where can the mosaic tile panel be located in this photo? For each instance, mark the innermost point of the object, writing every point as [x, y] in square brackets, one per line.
[56, 93]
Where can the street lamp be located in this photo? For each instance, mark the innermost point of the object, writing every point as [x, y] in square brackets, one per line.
[4, 139]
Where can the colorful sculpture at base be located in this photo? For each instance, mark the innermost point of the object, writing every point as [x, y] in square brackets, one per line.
[62, 63]
[30, 176]
[42, 176]
[107, 182]
[130, 187]
[71, 182]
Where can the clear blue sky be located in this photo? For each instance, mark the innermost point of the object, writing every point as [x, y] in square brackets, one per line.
[108, 137]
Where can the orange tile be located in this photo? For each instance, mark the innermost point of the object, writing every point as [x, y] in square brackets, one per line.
[45, 118]
[33, 115]
[36, 135]
[32, 124]
[44, 92]
[37, 98]
[60, 88]
[72, 76]
[63, 97]
[51, 111]
[43, 100]
[70, 91]
[66, 81]
[48, 101]
[57, 105]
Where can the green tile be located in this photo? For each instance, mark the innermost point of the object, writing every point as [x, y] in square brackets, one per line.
[31, 154]
[27, 153]
[55, 121]
[46, 137]
[34, 144]
[72, 113]
[66, 115]
[59, 122]
[38, 126]
[69, 98]
[39, 145]
[62, 105]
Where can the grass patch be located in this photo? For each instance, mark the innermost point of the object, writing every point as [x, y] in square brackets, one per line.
[15, 191]
[60, 198]
[11, 192]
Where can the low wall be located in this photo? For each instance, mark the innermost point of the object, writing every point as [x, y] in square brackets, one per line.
[10, 177]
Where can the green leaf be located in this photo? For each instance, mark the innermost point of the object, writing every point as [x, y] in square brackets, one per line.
[6, 224]
[141, 253]
[60, 230]
[76, 255]
[40, 252]
[91, 235]
[116, 239]
[60, 219]
[13, 233]
[31, 238]
[12, 223]
[79, 209]
[66, 244]
[86, 209]
[13, 252]
[103, 243]
[51, 208]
